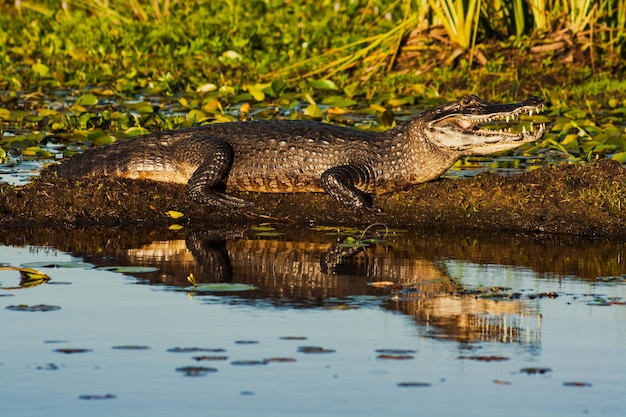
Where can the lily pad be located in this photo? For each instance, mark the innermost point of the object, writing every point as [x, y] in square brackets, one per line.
[280, 360]
[70, 264]
[314, 349]
[97, 397]
[248, 363]
[128, 269]
[414, 384]
[38, 307]
[194, 349]
[196, 370]
[210, 358]
[131, 347]
[221, 287]
[492, 358]
[395, 351]
[535, 370]
[71, 351]
[395, 357]
[576, 384]
[28, 277]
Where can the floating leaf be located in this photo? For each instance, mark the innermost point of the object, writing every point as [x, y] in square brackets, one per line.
[263, 228]
[206, 88]
[69, 264]
[501, 382]
[196, 370]
[174, 214]
[142, 107]
[71, 351]
[534, 370]
[256, 92]
[413, 384]
[28, 277]
[395, 357]
[40, 69]
[620, 157]
[280, 360]
[97, 397]
[87, 100]
[37, 152]
[193, 349]
[38, 307]
[492, 358]
[135, 131]
[322, 84]
[248, 363]
[221, 287]
[314, 349]
[128, 269]
[196, 116]
[131, 347]
[395, 351]
[339, 101]
[104, 140]
[576, 384]
[313, 111]
[210, 358]
[269, 234]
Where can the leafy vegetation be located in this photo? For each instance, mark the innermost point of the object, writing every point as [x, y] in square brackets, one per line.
[90, 72]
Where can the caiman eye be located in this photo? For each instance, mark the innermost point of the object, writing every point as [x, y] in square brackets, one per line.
[469, 100]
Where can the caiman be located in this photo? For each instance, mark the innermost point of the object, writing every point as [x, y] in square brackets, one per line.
[306, 156]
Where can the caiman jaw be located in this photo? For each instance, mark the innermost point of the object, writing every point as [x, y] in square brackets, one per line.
[457, 127]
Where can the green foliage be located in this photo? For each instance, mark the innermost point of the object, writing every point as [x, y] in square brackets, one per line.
[459, 18]
[86, 72]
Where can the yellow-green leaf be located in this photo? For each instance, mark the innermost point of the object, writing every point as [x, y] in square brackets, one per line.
[620, 156]
[256, 92]
[313, 110]
[40, 69]
[87, 100]
[174, 214]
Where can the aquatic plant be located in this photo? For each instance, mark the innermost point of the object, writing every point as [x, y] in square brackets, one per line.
[89, 72]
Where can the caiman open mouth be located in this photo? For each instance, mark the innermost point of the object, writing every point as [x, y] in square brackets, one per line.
[499, 123]
[487, 125]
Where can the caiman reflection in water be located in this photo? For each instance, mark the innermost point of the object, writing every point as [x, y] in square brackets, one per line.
[305, 269]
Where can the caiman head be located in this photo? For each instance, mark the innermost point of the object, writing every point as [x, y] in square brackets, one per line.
[456, 126]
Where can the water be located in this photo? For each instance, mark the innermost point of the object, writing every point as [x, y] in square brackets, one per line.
[473, 322]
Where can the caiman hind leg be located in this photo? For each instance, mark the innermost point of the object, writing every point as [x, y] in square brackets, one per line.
[211, 174]
[342, 181]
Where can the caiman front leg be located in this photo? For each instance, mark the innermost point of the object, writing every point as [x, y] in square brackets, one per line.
[342, 181]
[210, 174]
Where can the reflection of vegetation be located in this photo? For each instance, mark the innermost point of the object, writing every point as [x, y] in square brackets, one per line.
[199, 61]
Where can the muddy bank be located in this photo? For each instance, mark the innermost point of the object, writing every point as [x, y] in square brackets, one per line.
[587, 200]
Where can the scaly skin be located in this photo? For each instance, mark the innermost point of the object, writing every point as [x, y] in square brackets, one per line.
[304, 156]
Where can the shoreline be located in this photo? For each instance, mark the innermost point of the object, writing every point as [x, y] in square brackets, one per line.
[587, 200]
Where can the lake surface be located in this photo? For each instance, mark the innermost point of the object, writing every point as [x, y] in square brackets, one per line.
[415, 323]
